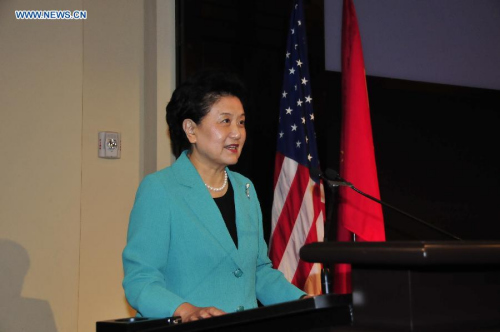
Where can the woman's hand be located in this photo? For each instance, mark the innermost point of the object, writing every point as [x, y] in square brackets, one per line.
[189, 312]
[306, 296]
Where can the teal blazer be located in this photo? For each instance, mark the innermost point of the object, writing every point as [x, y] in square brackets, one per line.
[179, 249]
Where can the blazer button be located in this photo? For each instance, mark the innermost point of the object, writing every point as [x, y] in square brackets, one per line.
[238, 273]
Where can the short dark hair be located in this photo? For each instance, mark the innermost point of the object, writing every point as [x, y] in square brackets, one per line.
[194, 98]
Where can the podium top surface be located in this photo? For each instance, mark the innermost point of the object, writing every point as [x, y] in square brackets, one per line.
[404, 253]
[292, 313]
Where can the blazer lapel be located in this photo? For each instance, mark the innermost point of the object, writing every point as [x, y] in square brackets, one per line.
[244, 215]
[201, 203]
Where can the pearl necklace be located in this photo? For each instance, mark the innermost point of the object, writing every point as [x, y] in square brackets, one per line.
[220, 188]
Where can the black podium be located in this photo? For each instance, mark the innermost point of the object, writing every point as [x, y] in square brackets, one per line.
[397, 286]
[419, 286]
[319, 313]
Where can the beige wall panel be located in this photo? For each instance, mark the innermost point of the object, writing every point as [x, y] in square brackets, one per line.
[112, 101]
[165, 21]
[40, 173]
[64, 211]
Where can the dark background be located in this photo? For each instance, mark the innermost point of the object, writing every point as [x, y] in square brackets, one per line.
[435, 144]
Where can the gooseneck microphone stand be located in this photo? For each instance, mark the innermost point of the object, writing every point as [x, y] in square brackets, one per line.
[333, 179]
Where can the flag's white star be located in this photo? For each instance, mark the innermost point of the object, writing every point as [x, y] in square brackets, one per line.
[299, 63]
[304, 81]
[294, 127]
[284, 94]
[292, 71]
[293, 31]
[312, 116]
[281, 134]
[299, 22]
[308, 99]
[298, 144]
[303, 120]
[296, 45]
[288, 110]
[295, 87]
[299, 102]
[287, 54]
[309, 157]
[307, 139]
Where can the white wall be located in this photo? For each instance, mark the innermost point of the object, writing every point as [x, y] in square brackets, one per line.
[447, 41]
[63, 210]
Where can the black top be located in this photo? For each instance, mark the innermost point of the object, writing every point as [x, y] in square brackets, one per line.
[226, 207]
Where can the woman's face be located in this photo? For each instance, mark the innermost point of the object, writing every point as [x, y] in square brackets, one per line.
[219, 138]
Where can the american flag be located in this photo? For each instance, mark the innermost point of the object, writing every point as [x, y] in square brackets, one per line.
[298, 204]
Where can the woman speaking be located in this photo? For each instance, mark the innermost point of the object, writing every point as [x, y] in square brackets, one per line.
[195, 245]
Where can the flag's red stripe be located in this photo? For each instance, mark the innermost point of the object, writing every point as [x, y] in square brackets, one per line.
[282, 182]
[304, 268]
[301, 274]
[278, 163]
[289, 213]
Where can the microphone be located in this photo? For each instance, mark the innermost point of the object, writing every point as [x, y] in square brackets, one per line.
[333, 179]
[330, 174]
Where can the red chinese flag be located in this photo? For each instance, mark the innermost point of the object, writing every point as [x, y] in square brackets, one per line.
[356, 213]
